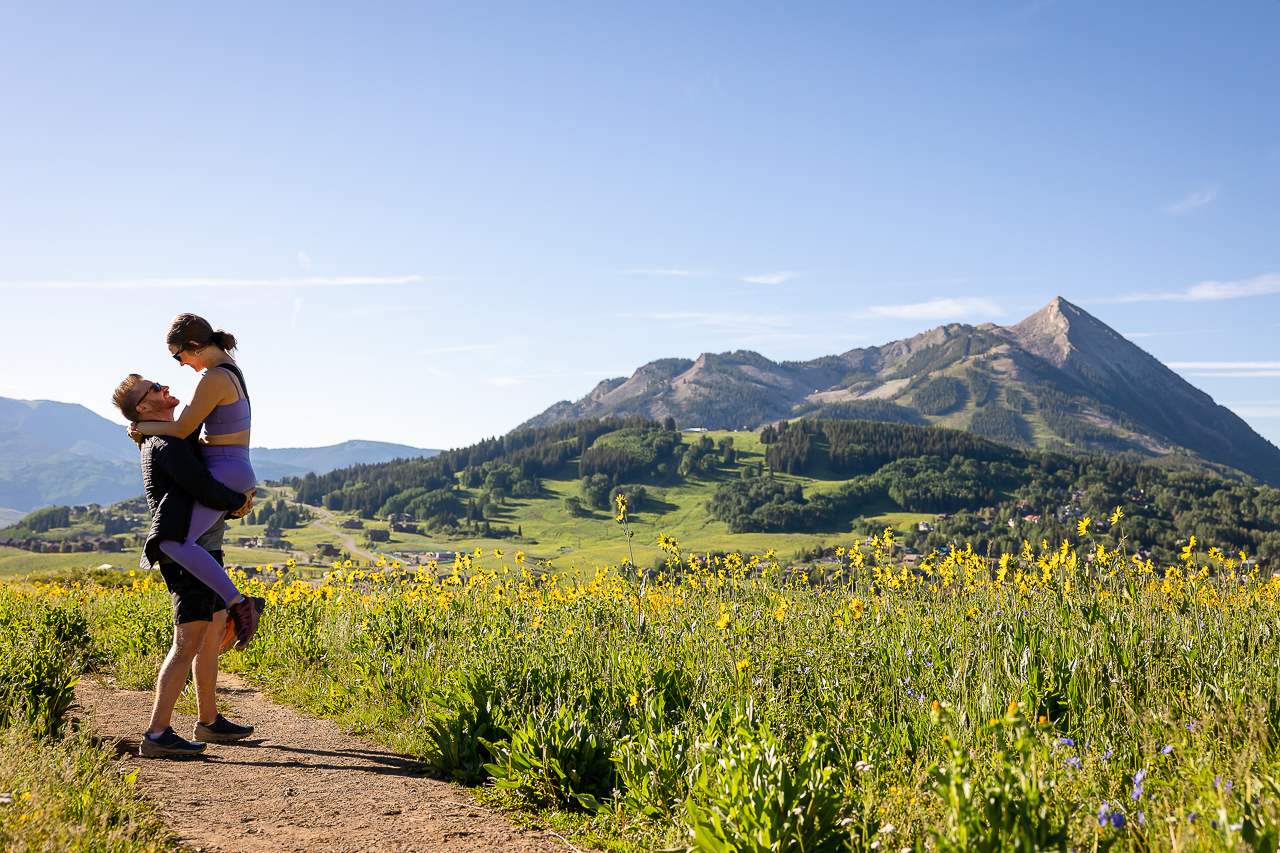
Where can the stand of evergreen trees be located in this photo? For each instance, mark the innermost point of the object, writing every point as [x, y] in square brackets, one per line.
[539, 452]
[931, 470]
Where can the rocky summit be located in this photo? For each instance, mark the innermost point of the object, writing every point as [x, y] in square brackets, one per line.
[1061, 380]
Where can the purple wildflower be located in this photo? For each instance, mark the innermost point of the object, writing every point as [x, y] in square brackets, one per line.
[1137, 784]
[1168, 748]
[1072, 762]
[1066, 741]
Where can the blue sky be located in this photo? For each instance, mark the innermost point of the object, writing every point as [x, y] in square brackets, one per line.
[428, 222]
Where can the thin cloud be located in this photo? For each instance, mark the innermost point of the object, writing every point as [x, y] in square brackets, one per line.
[1241, 374]
[1196, 198]
[937, 309]
[297, 308]
[1227, 369]
[1207, 291]
[1256, 408]
[761, 278]
[1225, 365]
[675, 272]
[1170, 334]
[148, 283]
[721, 320]
[771, 278]
[502, 381]
[460, 348]
[304, 260]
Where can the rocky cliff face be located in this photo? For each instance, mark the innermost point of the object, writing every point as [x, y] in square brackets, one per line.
[1060, 379]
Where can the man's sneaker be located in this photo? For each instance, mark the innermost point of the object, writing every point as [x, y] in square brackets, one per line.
[221, 729]
[244, 615]
[168, 744]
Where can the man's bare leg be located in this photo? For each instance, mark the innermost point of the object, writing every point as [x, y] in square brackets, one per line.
[188, 638]
[204, 669]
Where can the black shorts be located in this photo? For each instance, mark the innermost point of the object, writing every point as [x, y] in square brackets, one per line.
[193, 600]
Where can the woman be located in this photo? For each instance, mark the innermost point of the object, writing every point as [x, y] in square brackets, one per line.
[221, 403]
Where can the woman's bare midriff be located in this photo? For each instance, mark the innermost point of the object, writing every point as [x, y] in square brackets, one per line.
[241, 438]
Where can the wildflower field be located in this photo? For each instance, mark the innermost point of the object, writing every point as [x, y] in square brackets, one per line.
[1069, 698]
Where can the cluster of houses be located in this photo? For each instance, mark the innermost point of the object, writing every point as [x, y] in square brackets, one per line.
[925, 526]
[272, 537]
[70, 546]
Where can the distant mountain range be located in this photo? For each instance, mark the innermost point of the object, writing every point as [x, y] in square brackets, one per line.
[62, 453]
[277, 463]
[1060, 379]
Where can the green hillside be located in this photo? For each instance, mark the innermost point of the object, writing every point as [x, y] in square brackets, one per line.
[790, 488]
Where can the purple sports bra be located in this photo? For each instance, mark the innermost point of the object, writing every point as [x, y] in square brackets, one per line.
[233, 417]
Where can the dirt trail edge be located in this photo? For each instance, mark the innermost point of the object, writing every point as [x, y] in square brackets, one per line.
[298, 784]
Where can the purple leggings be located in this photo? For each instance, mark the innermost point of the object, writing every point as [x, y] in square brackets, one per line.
[229, 464]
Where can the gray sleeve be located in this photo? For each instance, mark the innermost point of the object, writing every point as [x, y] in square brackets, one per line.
[212, 539]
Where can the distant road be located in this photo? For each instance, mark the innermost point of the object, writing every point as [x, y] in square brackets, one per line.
[347, 539]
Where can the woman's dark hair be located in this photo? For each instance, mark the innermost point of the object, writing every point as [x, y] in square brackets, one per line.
[190, 327]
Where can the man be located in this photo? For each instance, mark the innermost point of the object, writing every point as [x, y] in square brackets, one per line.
[174, 478]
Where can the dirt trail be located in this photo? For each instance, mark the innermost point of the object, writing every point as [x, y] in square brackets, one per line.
[299, 784]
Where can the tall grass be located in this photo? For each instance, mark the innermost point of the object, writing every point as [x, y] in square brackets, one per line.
[1067, 698]
[59, 788]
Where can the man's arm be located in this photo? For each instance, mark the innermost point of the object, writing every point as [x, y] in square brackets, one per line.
[179, 461]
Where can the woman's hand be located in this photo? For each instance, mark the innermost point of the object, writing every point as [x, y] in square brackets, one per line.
[132, 432]
[248, 505]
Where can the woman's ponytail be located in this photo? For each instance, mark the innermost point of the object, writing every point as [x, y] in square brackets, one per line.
[224, 340]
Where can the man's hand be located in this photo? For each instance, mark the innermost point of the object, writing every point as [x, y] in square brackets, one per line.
[132, 432]
[248, 505]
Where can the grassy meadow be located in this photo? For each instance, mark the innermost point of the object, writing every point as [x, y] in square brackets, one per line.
[1070, 698]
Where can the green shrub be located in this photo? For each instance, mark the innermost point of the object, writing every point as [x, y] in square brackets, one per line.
[748, 797]
[1013, 807]
[458, 736]
[556, 759]
[43, 648]
[654, 764]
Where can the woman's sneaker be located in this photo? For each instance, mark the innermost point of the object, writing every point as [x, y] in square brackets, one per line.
[221, 729]
[244, 615]
[229, 635]
[168, 744]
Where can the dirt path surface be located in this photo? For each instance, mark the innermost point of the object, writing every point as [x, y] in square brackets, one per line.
[298, 784]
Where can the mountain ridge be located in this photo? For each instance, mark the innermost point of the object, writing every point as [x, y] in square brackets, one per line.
[54, 453]
[1060, 379]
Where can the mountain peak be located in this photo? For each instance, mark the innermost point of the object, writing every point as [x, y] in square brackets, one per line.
[1061, 379]
[1063, 333]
